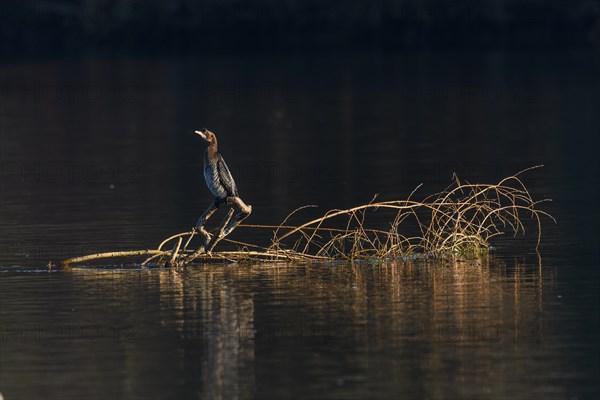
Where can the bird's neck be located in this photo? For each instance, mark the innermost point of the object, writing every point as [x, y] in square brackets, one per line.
[212, 148]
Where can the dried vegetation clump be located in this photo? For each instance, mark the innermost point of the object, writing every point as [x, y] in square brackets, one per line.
[458, 221]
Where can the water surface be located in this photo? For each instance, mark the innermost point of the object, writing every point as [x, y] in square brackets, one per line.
[98, 154]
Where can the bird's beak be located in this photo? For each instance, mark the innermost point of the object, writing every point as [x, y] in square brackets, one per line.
[202, 135]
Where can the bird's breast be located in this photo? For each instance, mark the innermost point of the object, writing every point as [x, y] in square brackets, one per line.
[211, 175]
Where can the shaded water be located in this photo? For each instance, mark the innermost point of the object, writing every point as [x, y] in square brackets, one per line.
[97, 154]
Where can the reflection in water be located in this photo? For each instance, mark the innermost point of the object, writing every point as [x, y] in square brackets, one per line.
[223, 332]
[207, 310]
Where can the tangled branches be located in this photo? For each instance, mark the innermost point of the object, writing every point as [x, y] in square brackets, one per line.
[461, 220]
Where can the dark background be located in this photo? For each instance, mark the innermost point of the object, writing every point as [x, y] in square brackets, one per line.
[330, 102]
[266, 25]
[313, 102]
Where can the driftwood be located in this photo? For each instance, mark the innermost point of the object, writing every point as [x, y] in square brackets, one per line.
[114, 254]
[459, 221]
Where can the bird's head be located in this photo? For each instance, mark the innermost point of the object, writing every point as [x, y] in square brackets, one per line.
[207, 135]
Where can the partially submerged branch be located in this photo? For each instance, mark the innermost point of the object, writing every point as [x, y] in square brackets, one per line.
[114, 254]
[460, 220]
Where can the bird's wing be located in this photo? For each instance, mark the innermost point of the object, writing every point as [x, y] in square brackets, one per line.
[225, 177]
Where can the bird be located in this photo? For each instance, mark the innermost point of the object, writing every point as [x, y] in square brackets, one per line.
[221, 184]
[218, 178]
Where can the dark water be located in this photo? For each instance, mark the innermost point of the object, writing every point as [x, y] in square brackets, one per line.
[97, 154]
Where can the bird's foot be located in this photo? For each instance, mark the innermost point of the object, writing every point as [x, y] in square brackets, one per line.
[198, 228]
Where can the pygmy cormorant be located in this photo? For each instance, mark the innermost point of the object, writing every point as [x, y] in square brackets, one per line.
[221, 185]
